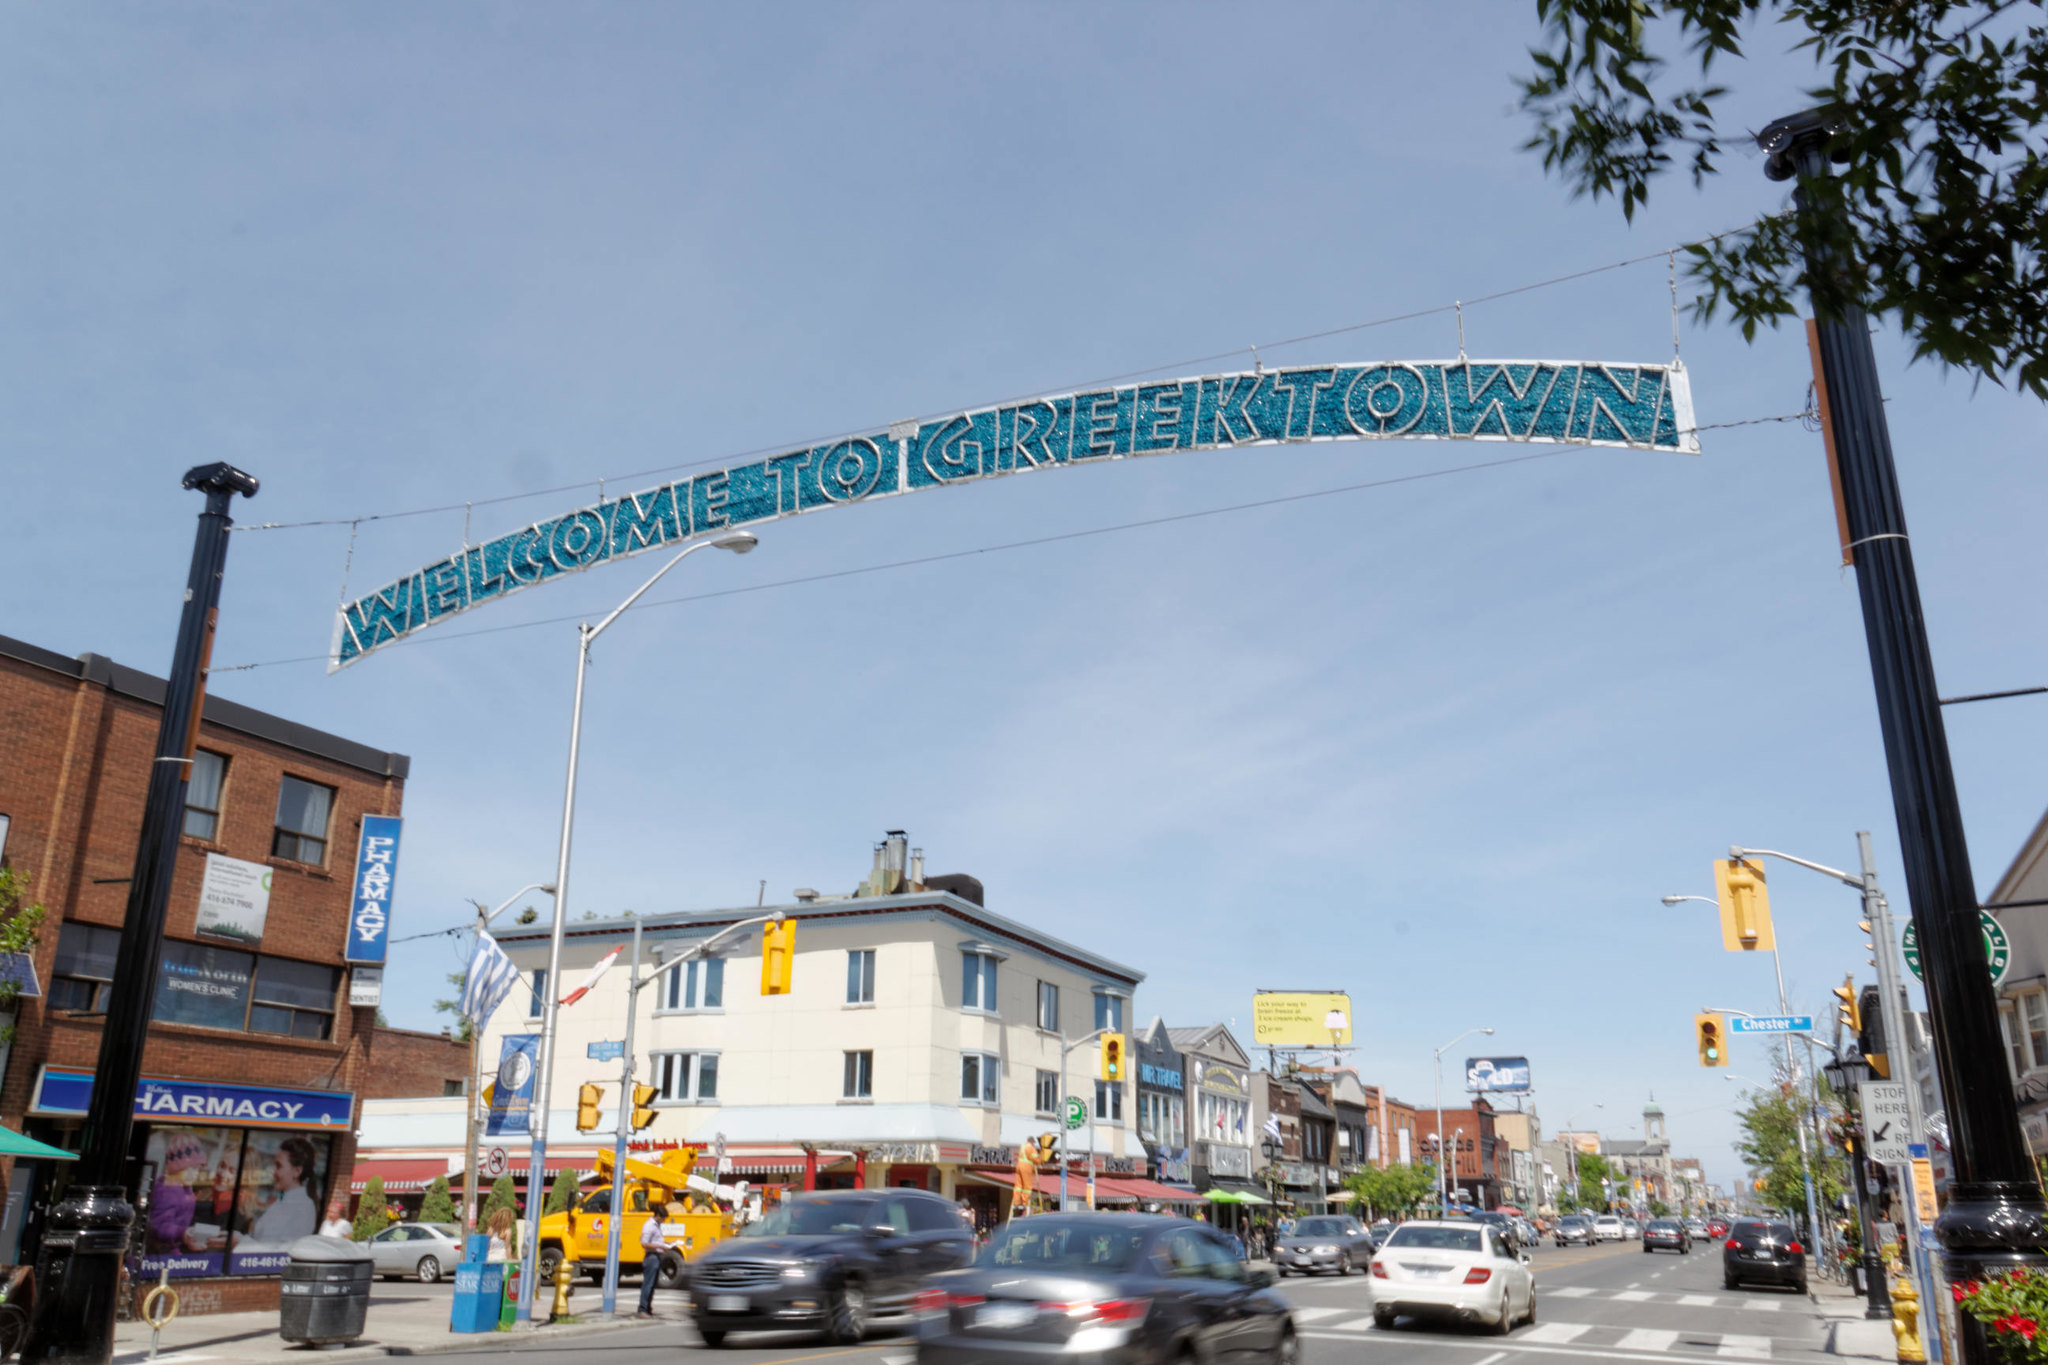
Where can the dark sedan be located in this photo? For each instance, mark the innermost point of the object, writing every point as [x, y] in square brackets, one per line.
[1668, 1233]
[1757, 1252]
[1109, 1289]
[1338, 1244]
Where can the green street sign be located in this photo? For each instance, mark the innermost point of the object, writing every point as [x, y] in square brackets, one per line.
[1997, 948]
[1074, 1112]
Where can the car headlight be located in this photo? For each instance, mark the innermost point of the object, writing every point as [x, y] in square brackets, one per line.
[799, 1270]
[1325, 1251]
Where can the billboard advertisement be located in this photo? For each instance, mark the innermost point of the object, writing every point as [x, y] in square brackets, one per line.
[1493, 1075]
[1301, 1018]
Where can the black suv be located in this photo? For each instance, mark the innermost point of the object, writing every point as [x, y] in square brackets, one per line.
[827, 1262]
[1763, 1253]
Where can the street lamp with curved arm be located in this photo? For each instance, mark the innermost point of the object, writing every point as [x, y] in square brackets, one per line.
[1442, 1170]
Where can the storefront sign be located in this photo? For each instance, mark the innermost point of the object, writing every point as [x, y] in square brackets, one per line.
[234, 900]
[1159, 1077]
[369, 921]
[203, 986]
[365, 987]
[512, 1093]
[1223, 1081]
[1225, 1159]
[904, 1152]
[65, 1090]
[1640, 407]
[992, 1156]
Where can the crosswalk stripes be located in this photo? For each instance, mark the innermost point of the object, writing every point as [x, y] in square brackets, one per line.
[1364, 1324]
[1762, 1305]
[1570, 1291]
[1743, 1346]
[1635, 1296]
[1558, 1332]
[1317, 1314]
[1648, 1339]
[1695, 1300]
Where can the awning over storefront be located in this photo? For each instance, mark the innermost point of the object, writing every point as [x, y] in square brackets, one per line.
[1152, 1192]
[400, 1174]
[1230, 1192]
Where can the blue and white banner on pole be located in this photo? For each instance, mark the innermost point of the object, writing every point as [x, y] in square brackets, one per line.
[1770, 1023]
[512, 1096]
[369, 918]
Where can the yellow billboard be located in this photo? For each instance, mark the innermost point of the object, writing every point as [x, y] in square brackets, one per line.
[1301, 1018]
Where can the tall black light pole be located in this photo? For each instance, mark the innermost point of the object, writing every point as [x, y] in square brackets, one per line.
[1996, 1218]
[78, 1269]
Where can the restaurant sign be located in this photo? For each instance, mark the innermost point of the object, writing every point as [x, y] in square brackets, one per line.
[1635, 407]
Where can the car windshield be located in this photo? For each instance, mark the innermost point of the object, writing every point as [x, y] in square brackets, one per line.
[1050, 1244]
[1573, 1223]
[812, 1218]
[1663, 1225]
[1319, 1227]
[1435, 1239]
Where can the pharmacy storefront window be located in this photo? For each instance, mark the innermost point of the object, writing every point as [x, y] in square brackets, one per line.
[221, 1191]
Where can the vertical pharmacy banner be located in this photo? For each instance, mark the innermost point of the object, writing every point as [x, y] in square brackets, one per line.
[369, 920]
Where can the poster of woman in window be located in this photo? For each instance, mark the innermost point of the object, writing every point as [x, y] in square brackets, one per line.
[230, 1200]
[282, 1176]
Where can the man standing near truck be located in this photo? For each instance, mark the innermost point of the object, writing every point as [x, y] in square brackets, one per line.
[654, 1245]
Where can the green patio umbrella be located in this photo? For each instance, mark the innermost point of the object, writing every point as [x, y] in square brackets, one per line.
[14, 1144]
[1223, 1197]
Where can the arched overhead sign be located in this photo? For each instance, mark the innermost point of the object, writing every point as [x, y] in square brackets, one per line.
[1638, 407]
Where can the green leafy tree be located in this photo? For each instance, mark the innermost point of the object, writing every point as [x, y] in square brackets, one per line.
[501, 1196]
[562, 1193]
[464, 1030]
[439, 1205]
[1769, 1147]
[20, 928]
[1935, 214]
[1659, 1209]
[1393, 1191]
[371, 1216]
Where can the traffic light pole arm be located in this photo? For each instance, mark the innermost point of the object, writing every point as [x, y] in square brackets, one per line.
[698, 950]
[1745, 854]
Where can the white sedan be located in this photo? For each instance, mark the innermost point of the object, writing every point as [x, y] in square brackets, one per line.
[1608, 1228]
[1466, 1271]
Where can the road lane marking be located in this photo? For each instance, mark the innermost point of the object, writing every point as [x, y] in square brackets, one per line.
[1635, 1296]
[1635, 1284]
[1762, 1305]
[1647, 1339]
[1559, 1332]
[1575, 1351]
[1311, 1314]
[1355, 1325]
[1732, 1345]
[1696, 1300]
[1489, 1360]
[1571, 1291]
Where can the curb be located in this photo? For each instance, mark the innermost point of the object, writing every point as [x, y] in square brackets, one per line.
[545, 1335]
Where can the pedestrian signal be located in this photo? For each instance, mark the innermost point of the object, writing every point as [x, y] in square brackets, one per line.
[1711, 1033]
[1745, 906]
[589, 1099]
[778, 951]
[1112, 1056]
[643, 1106]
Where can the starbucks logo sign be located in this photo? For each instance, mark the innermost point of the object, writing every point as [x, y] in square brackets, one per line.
[1997, 948]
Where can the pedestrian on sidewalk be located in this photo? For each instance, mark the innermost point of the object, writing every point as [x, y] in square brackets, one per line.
[654, 1245]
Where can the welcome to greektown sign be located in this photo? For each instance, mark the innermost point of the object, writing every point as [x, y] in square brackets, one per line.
[1638, 407]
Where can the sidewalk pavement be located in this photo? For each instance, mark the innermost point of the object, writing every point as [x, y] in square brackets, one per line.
[1849, 1332]
[403, 1321]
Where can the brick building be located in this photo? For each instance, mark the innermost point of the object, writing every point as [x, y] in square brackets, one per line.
[406, 1064]
[1479, 1163]
[246, 1114]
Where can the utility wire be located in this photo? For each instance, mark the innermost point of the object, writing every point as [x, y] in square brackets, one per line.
[1007, 545]
[1076, 387]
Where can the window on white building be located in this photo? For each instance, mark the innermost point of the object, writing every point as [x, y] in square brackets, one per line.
[1109, 1012]
[698, 984]
[860, 1076]
[1046, 1094]
[1049, 1007]
[2034, 1014]
[537, 1006]
[683, 1077]
[981, 1078]
[860, 976]
[1109, 1102]
[978, 982]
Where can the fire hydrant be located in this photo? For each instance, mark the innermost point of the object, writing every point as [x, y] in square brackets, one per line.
[1906, 1321]
[565, 1279]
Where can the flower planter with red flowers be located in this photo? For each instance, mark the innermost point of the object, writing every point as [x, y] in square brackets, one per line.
[2014, 1311]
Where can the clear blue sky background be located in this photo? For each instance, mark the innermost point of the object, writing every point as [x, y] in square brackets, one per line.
[1443, 744]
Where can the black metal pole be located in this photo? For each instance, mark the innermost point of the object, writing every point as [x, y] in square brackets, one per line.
[78, 1269]
[1996, 1219]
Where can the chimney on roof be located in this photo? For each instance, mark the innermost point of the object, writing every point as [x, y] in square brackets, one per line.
[917, 869]
[895, 845]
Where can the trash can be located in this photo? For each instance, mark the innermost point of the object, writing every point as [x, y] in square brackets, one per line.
[326, 1292]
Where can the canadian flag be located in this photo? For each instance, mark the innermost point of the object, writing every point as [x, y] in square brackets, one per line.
[604, 964]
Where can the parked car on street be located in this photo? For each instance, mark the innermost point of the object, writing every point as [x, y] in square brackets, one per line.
[1115, 1288]
[827, 1262]
[1631, 1230]
[1697, 1227]
[1667, 1233]
[416, 1251]
[1573, 1231]
[1608, 1228]
[1464, 1271]
[1717, 1228]
[1336, 1243]
[1758, 1252]
[1379, 1231]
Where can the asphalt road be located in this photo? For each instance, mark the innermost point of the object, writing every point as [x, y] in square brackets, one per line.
[1610, 1302]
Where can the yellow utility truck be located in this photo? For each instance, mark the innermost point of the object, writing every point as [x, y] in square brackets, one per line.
[688, 1205]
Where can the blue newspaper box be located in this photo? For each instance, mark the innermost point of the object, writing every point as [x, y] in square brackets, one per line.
[479, 1289]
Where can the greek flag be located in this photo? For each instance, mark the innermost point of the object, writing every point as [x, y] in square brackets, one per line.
[489, 978]
[1272, 1125]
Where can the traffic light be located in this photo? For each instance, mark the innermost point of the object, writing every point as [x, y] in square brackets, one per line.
[1042, 1150]
[1711, 1033]
[1112, 1056]
[1745, 906]
[1870, 1037]
[589, 1099]
[778, 952]
[643, 1107]
[1848, 1010]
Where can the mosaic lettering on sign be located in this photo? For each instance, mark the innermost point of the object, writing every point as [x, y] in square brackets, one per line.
[1635, 407]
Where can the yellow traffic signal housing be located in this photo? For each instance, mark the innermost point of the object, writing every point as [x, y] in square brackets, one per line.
[778, 954]
[643, 1107]
[1870, 1040]
[589, 1099]
[1745, 906]
[1112, 1056]
[1847, 1009]
[1710, 1032]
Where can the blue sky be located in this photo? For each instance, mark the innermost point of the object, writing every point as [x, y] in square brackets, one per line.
[1442, 744]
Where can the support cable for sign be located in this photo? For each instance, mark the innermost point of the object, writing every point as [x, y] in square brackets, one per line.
[1457, 306]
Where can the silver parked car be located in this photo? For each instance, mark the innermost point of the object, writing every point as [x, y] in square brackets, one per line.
[1337, 1242]
[416, 1251]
